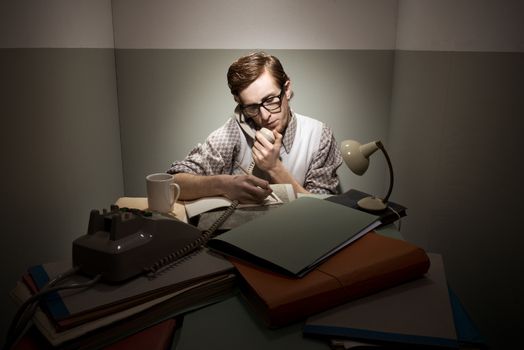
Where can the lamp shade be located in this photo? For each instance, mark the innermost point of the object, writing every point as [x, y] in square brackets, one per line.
[356, 156]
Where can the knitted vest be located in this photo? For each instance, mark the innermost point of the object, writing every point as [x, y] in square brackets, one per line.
[299, 158]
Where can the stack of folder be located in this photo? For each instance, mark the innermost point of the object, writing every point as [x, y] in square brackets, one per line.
[371, 264]
[320, 259]
[104, 313]
[311, 255]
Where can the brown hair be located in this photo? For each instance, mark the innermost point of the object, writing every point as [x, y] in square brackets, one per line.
[247, 69]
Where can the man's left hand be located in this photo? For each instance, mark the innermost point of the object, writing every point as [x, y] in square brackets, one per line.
[265, 153]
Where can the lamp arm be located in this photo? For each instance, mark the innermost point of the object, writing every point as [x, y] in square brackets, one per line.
[391, 178]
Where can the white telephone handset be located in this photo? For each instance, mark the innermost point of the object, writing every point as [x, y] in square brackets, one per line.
[268, 134]
[248, 126]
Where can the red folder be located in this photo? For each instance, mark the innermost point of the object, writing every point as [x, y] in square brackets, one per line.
[370, 264]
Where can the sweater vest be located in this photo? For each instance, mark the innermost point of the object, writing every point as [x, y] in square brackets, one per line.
[298, 160]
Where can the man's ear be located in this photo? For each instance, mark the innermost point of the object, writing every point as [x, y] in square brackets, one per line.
[287, 87]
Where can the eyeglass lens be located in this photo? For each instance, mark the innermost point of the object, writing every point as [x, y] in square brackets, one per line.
[272, 104]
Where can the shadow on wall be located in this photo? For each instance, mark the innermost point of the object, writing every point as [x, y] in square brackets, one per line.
[62, 154]
[455, 137]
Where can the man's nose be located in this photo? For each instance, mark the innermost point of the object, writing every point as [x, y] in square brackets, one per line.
[264, 113]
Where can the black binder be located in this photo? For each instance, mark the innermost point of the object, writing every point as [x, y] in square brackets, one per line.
[392, 213]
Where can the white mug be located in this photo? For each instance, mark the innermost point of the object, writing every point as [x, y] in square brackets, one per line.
[162, 192]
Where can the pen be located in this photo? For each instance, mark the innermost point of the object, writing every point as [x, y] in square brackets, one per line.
[248, 173]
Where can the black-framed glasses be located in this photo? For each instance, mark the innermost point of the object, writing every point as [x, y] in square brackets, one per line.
[271, 104]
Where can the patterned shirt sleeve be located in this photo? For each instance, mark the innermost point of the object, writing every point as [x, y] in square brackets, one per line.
[213, 157]
[321, 176]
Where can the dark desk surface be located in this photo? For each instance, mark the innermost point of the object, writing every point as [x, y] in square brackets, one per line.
[231, 324]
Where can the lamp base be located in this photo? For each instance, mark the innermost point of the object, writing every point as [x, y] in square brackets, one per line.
[372, 204]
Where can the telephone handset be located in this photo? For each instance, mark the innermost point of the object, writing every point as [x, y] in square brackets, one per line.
[247, 125]
[268, 134]
[249, 128]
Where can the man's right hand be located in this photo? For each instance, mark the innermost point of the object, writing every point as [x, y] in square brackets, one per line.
[247, 188]
[244, 188]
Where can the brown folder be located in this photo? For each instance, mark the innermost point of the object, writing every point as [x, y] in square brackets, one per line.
[370, 264]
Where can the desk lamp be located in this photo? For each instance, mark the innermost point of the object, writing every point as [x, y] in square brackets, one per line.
[356, 157]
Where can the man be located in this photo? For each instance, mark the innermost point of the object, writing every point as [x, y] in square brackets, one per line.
[304, 153]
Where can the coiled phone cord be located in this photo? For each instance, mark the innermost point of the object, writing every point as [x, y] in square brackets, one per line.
[191, 247]
[209, 233]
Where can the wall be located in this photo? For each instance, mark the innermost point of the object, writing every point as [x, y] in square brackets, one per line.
[455, 137]
[59, 135]
[172, 60]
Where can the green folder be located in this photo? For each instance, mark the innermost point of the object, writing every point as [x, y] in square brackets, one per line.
[296, 237]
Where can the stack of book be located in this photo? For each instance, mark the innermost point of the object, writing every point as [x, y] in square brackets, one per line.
[311, 255]
[104, 313]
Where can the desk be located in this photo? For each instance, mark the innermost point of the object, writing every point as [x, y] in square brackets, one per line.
[230, 324]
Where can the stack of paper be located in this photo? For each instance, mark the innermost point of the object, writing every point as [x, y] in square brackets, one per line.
[74, 318]
[244, 213]
[282, 193]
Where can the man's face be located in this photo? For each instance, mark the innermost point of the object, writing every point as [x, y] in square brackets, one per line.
[265, 89]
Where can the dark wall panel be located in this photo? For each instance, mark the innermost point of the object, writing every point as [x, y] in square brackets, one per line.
[456, 138]
[60, 149]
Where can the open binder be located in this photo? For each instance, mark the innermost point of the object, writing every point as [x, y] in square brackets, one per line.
[296, 237]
